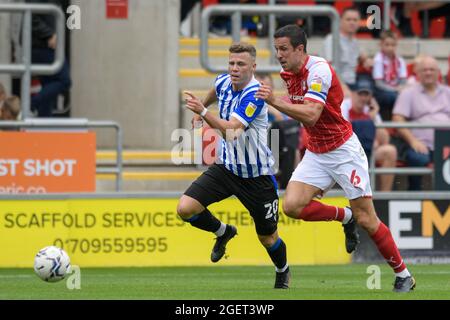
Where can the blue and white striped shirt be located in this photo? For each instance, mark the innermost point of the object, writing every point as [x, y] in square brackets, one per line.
[247, 156]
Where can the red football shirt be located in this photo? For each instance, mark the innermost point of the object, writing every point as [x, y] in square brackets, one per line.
[317, 82]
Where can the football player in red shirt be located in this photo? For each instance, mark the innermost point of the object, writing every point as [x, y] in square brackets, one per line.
[334, 153]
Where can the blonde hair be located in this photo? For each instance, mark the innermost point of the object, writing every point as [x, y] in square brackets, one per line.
[11, 105]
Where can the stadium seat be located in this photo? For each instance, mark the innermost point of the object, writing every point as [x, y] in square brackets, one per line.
[341, 5]
[436, 29]
[209, 2]
[410, 69]
[301, 2]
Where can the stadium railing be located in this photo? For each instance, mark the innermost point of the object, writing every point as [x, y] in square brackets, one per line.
[70, 124]
[398, 195]
[236, 12]
[373, 171]
[26, 69]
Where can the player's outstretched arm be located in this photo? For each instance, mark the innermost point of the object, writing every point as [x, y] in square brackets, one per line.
[229, 129]
[307, 113]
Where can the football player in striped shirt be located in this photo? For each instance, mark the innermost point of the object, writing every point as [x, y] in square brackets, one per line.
[334, 153]
[244, 164]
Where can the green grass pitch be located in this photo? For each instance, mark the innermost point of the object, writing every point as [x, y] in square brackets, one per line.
[225, 283]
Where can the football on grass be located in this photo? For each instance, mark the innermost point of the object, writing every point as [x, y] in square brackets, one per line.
[52, 264]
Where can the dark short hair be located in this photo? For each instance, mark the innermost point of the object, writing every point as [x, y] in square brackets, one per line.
[240, 47]
[296, 35]
[352, 8]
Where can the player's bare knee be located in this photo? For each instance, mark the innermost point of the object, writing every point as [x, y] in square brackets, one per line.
[366, 221]
[293, 208]
[181, 210]
[290, 208]
[184, 209]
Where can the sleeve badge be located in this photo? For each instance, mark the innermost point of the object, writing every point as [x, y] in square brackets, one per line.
[316, 85]
[250, 110]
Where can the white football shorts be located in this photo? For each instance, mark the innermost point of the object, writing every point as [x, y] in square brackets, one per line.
[346, 165]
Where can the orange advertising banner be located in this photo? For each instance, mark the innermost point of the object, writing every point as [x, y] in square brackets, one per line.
[47, 162]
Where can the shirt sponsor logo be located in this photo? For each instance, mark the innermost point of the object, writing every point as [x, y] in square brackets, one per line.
[316, 85]
[296, 98]
[250, 110]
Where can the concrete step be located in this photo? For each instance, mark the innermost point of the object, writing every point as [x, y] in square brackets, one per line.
[165, 179]
[144, 185]
[190, 67]
[408, 48]
[140, 157]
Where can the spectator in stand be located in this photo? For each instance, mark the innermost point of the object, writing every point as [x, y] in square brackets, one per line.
[10, 110]
[426, 101]
[350, 53]
[362, 111]
[43, 52]
[412, 73]
[389, 72]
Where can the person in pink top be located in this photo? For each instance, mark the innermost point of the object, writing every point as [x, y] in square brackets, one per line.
[389, 72]
[425, 101]
[334, 153]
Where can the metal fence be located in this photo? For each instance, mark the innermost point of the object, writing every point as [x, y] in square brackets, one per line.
[237, 11]
[323, 8]
[406, 170]
[26, 69]
[399, 195]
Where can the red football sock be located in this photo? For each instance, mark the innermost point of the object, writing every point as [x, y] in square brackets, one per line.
[388, 249]
[317, 211]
